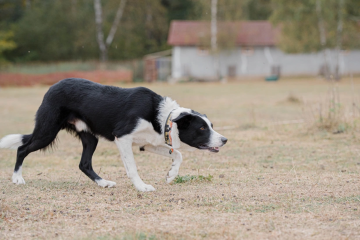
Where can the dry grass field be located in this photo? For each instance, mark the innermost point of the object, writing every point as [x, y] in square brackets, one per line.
[284, 174]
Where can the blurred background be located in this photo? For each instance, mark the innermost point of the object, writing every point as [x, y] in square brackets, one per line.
[43, 41]
[291, 167]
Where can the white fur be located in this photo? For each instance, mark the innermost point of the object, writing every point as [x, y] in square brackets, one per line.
[165, 107]
[12, 141]
[124, 145]
[105, 183]
[144, 134]
[17, 177]
[164, 151]
[176, 143]
[169, 105]
[215, 137]
[175, 139]
[81, 126]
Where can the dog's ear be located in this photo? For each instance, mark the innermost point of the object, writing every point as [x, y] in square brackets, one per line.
[183, 120]
[180, 122]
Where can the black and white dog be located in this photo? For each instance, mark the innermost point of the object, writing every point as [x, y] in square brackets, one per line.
[134, 116]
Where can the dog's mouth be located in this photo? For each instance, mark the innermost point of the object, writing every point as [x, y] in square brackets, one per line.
[211, 149]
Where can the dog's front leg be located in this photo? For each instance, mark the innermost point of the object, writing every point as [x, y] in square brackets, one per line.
[165, 151]
[124, 145]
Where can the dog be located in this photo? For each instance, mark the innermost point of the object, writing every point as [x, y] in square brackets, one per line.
[126, 116]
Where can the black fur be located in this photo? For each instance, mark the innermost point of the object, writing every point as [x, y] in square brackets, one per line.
[89, 142]
[108, 111]
[193, 130]
[202, 115]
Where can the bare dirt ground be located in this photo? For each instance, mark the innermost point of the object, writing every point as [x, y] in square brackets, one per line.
[277, 178]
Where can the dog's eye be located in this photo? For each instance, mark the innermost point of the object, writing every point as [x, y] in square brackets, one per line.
[202, 128]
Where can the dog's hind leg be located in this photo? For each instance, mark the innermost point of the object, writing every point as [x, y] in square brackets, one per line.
[17, 174]
[167, 152]
[124, 145]
[40, 139]
[89, 143]
[48, 124]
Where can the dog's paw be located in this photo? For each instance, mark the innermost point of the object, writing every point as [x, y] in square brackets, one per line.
[105, 183]
[17, 179]
[145, 188]
[171, 175]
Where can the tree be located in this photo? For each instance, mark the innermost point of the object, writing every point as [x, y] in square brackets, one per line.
[11, 10]
[235, 10]
[339, 38]
[323, 38]
[300, 24]
[6, 43]
[65, 30]
[259, 9]
[317, 25]
[103, 45]
[182, 9]
[49, 33]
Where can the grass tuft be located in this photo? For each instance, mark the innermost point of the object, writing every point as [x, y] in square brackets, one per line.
[189, 178]
[333, 116]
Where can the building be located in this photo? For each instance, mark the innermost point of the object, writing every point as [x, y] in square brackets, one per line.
[251, 51]
[157, 66]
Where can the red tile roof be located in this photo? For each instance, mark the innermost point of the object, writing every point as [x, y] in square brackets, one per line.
[247, 33]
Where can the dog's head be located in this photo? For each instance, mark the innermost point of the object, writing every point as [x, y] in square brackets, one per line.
[195, 130]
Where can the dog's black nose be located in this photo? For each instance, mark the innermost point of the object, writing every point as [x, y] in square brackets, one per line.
[224, 140]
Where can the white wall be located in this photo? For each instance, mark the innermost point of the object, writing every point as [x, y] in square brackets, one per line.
[176, 68]
[189, 61]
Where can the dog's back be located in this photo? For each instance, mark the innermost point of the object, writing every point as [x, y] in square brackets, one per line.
[106, 110]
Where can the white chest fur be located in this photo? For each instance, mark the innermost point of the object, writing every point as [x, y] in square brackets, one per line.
[144, 134]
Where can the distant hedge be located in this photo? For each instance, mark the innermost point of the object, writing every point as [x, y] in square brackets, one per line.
[100, 76]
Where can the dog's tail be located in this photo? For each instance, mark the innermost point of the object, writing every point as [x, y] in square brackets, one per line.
[13, 141]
